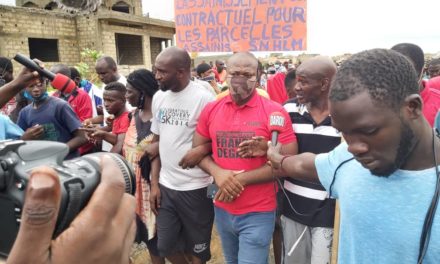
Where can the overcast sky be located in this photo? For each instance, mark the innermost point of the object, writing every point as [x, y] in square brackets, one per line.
[341, 26]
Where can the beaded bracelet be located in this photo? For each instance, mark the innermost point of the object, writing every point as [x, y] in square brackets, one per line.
[282, 160]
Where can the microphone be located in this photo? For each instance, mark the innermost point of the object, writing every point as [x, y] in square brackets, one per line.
[59, 81]
[79, 6]
[276, 124]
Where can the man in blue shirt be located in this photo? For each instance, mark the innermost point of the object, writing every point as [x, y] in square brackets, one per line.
[385, 174]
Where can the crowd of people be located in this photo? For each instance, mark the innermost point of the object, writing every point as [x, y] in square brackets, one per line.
[198, 139]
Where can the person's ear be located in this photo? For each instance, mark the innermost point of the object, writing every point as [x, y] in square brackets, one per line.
[413, 106]
[325, 84]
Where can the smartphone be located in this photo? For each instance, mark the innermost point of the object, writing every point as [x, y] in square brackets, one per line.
[207, 78]
[211, 191]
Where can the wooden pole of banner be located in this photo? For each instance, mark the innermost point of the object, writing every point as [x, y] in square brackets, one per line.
[335, 245]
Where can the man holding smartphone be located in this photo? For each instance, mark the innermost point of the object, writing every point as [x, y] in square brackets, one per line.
[206, 73]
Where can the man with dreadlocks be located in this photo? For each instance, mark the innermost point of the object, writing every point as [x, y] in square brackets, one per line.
[385, 174]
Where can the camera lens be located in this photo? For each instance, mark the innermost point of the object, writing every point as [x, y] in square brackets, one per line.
[124, 167]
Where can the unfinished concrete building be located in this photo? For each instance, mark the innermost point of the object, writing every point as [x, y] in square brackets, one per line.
[118, 28]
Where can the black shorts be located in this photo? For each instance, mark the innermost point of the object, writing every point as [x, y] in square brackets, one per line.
[185, 216]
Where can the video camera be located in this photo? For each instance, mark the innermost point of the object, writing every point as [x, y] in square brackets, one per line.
[78, 178]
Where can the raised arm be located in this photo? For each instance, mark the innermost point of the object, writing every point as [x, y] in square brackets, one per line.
[301, 166]
[265, 173]
[24, 79]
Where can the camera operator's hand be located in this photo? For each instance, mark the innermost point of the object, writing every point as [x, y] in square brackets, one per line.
[32, 133]
[102, 233]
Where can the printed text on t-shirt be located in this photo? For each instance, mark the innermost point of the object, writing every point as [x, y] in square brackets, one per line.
[228, 141]
[175, 117]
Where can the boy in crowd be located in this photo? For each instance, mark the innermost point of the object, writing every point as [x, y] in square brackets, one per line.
[114, 103]
[52, 117]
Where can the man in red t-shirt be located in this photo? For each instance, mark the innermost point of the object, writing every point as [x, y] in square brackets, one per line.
[434, 83]
[220, 71]
[275, 88]
[114, 103]
[246, 200]
[79, 100]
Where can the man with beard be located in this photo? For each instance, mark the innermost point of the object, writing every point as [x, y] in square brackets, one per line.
[385, 174]
[246, 201]
[178, 196]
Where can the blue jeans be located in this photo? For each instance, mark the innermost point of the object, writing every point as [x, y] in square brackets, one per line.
[245, 238]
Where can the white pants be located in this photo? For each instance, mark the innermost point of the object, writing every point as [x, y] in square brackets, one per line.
[305, 245]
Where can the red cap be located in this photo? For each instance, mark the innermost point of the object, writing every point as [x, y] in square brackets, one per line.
[63, 83]
[276, 121]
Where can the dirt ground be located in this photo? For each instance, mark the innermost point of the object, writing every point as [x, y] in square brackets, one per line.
[216, 252]
[216, 248]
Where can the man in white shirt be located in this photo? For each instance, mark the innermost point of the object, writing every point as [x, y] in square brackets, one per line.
[178, 196]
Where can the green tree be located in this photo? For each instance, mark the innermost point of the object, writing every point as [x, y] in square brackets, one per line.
[86, 66]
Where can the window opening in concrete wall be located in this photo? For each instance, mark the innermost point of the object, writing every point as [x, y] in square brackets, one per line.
[112, 23]
[44, 49]
[156, 47]
[121, 7]
[51, 6]
[129, 49]
[30, 5]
